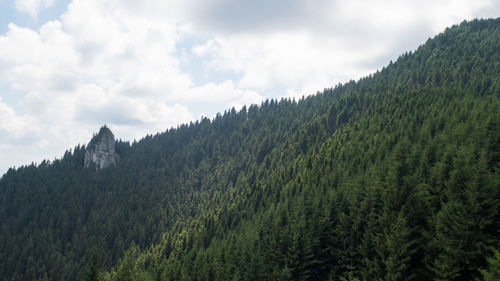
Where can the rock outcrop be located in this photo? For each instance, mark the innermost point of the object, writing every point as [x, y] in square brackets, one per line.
[100, 152]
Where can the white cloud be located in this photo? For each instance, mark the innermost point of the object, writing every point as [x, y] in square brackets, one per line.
[224, 93]
[11, 125]
[339, 40]
[32, 7]
[290, 60]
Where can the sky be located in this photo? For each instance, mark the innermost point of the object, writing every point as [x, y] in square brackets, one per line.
[69, 66]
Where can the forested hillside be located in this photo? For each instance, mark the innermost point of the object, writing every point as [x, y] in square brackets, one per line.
[393, 177]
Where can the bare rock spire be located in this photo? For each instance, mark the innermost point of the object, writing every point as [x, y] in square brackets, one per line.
[100, 152]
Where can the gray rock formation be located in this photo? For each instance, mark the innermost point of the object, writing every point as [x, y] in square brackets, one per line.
[100, 152]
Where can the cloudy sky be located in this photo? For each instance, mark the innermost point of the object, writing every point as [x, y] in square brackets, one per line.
[141, 67]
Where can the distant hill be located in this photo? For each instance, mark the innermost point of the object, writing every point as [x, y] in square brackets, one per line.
[392, 177]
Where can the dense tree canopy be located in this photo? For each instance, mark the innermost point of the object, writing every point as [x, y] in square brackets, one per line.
[393, 177]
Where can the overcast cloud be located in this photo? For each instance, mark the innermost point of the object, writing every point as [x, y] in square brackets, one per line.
[144, 66]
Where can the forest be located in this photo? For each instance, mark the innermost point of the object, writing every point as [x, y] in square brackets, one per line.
[395, 176]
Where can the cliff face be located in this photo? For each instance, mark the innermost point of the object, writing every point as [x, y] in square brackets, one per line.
[100, 152]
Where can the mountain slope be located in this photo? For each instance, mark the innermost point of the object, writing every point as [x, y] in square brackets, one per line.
[393, 177]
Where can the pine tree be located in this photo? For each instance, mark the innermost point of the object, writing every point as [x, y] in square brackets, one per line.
[92, 271]
[492, 272]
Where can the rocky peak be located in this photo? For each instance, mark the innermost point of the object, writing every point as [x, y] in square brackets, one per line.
[100, 152]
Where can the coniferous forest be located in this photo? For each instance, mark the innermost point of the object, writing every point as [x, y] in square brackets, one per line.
[392, 177]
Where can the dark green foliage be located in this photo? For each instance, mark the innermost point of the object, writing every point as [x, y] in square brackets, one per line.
[492, 272]
[92, 271]
[393, 177]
